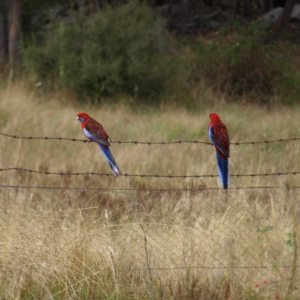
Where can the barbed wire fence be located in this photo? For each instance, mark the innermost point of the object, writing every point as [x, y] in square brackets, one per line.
[144, 175]
[245, 234]
[148, 142]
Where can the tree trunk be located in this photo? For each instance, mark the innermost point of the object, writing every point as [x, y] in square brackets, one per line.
[201, 12]
[14, 33]
[3, 43]
[248, 10]
[281, 22]
[186, 8]
[268, 5]
[97, 4]
[244, 8]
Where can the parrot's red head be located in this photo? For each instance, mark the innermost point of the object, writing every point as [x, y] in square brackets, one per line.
[82, 116]
[214, 118]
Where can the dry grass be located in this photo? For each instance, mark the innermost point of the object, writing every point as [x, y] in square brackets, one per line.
[23, 113]
[205, 245]
[77, 244]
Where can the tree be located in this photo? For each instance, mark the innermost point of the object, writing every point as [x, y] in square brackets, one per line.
[14, 33]
[3, 44]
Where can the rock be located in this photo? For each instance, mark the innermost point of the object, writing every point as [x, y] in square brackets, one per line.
[296, 12]
[270, 17]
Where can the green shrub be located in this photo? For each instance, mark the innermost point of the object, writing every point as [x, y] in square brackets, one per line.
[121, 50]
[241, 66]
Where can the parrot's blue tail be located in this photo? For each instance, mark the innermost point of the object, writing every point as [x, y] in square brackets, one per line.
[106, 152]
[223, 170]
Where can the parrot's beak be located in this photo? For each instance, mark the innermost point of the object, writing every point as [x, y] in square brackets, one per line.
[77, 118]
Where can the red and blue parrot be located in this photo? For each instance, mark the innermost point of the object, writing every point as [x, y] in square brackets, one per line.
[217, 133]
[95, 132]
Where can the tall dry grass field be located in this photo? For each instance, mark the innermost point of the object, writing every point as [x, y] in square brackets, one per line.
[142, 244]
[25, 114]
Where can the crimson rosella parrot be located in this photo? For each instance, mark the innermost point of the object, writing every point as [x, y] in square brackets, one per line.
[95, 132]
[217, 133]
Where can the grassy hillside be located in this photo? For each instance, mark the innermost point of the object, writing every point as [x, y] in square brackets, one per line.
[87, 244]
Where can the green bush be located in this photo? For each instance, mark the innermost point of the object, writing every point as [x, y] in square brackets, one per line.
[241, 66]
[114, 51]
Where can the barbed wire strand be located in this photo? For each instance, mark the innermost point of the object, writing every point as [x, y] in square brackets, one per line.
[143, 175]
[142, 189]
[217, 267]
[148, 143]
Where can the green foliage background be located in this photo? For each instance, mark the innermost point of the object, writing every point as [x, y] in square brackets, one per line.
[122, 50]
[239, 65]
[127, 50]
